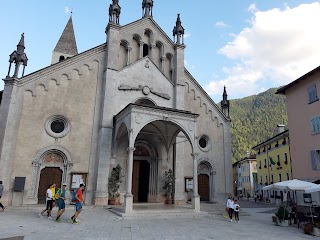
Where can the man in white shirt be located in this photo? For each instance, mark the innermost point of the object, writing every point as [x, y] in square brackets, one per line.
[230, 207]
[49, 202]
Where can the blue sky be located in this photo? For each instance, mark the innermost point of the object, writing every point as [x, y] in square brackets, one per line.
[249, 46]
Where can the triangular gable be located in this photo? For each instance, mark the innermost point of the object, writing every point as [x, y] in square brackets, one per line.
[151, 63]
[143, 21]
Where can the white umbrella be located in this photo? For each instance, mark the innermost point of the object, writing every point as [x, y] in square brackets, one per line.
[268, 187]
[313, 189]
[295, 185]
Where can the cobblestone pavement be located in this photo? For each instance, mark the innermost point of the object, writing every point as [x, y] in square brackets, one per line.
[99, 223]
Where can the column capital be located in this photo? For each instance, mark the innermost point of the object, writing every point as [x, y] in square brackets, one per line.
[194, 155]
[131, 149]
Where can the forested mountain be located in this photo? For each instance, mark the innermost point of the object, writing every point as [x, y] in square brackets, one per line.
[254, 119]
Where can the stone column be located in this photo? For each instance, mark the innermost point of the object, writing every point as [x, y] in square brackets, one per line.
[179, 194]
[129, 55]
[141, 49]
[196, 197]
[129, 196]
[163, 59]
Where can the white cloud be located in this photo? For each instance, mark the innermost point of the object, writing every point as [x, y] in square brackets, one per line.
[278, 47]
[221, 24]
[187, 34]
[67, 10]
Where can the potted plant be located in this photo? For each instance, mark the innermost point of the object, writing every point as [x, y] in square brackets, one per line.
[308, 228]
[282, 216]
[114, 183]
[168, 186]
[316, 229]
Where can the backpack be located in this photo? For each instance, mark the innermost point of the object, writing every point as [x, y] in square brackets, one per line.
[74, 195]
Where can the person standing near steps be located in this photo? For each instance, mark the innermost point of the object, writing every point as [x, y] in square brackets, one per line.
[1, 192]
[78, 204]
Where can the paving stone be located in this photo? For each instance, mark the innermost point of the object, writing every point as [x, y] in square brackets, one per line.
[99, 223]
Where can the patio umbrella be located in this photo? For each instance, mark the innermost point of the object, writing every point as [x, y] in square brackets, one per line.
[313, 189]
[294, 184]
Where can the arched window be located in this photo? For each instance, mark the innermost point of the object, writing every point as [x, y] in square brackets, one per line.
[145, 50]
[61, 58]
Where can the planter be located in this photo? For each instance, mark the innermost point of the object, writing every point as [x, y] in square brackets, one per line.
[283, 223]
[278, 222]
[316, 232]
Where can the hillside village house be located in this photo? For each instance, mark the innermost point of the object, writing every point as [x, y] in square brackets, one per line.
[128, 101]
[274, 164]
[303, 108]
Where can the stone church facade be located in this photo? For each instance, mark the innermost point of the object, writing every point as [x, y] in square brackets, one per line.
[129, 101]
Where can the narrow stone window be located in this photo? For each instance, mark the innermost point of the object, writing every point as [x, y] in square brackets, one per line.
[61, 58]
[145, 50]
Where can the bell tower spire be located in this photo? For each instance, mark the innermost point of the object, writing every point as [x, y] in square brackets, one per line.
[179, 31]
[114, 12]
[225, 104]
[18, 57]
[147, 6]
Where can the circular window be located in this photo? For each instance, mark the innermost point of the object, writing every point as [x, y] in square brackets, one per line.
[204, 143]
[57, 126]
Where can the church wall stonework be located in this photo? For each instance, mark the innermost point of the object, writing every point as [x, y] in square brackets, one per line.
[70, 93]
[88, 91]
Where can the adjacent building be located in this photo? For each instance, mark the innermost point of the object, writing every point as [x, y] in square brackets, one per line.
[245, 176]
[129, 101]
[274, 162]
[303, 108]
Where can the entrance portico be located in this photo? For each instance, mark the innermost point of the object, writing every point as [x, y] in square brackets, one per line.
[137, 123]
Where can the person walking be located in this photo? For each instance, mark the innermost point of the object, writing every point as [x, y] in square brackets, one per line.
[78, 204]
[1, 192]
[236, 211]
[255, 197]
[48, 202]
[230, 208]
[60, 197]
[53, 191]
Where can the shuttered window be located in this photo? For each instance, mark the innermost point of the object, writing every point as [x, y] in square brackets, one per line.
[315, 125]
[315, 159]
[312, 92]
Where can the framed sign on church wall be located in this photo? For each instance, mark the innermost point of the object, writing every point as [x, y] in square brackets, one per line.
[77, 179]
[188, 184]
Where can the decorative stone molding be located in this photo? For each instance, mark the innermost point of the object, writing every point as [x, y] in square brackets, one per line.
[57, 119]
[146, 90]
[40, 162]
[204, 143]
